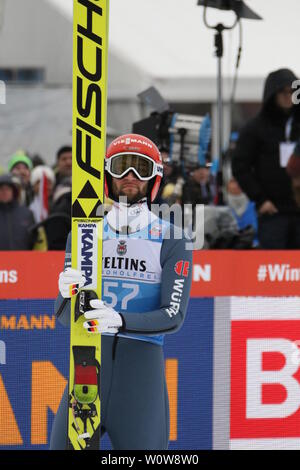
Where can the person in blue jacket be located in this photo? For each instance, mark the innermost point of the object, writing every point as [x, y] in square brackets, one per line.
[146, 279]
[242, 208]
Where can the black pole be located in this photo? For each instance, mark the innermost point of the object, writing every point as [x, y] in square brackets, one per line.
[219, 28]
[219, 54]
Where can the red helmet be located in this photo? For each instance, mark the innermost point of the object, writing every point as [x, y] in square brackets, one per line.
[134, 152]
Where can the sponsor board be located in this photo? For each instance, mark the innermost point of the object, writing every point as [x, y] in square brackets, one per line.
[243, 273]
[261, 400]
[30, 274]
[2, 352]
[265, 373]
[34, 370]
[215, 273]
[8, 276]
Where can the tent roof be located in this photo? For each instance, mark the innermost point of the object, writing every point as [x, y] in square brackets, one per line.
[167, 38]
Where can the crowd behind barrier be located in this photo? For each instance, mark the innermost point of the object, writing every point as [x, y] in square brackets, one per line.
[261, 186]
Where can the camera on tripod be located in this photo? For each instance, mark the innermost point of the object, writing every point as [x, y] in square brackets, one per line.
[185, 137]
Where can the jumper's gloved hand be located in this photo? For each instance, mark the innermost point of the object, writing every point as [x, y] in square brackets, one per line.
[70, 281]
[102, 319]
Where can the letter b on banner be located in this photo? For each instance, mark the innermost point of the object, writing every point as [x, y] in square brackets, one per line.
[265, 379]
[257, 377]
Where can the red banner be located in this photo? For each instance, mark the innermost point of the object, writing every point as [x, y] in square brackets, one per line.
[34, 275]
[30, 274]
[246, 273]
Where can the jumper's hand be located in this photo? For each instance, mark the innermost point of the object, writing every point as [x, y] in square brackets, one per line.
[102, 319]
[69, 282]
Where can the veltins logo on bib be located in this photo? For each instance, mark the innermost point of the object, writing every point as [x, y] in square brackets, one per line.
[122, 248]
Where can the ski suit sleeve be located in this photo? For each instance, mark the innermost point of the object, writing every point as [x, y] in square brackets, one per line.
[62, 306]
[176, 262]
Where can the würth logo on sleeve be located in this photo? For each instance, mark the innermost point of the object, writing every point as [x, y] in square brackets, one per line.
[182, 268]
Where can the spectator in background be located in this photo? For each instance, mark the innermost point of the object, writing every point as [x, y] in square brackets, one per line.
[293, 170]
[227, 157]
[63, 164]
[16, 221]
[59, 224]
[42, 181]
[20, 165]
[37, 160]
[242, 208]
[62, 197]
[199, 187]
[263, 149]
[170, 191]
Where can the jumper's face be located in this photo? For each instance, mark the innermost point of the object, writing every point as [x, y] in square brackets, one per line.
[129, 186]
[22, 171]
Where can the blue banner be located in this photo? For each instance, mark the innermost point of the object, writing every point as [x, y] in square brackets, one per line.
[34, 350]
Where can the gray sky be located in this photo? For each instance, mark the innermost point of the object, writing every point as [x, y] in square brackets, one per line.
[167, 38]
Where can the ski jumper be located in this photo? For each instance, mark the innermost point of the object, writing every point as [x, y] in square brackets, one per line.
[147, 271]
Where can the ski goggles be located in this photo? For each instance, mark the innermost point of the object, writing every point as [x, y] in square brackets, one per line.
[144, 167]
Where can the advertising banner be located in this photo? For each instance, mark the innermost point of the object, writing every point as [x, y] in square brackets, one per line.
[232, 370]
[265, 373]
[34, 350]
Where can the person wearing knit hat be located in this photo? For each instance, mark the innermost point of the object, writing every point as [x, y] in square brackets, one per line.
[19, 157]
[20, 165]
[37, 174]
[42, 181]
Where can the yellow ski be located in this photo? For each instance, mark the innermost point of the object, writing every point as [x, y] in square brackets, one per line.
[90, 49]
